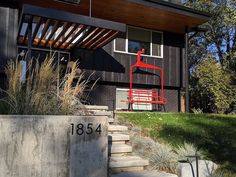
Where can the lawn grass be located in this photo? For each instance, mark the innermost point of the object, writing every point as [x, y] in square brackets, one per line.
[215, 134]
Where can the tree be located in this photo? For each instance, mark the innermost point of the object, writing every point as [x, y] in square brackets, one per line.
[220, 39]
[211, 87]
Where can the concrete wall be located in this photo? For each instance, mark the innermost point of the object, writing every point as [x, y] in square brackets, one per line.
[43, 146]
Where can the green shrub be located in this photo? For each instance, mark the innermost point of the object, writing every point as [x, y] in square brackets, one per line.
[211, 88]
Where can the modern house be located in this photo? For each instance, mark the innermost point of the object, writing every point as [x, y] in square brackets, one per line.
[105, 36]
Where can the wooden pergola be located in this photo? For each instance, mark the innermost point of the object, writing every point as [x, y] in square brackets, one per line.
[55, 29]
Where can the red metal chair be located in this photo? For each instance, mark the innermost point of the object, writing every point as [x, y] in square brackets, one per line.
[146, 96]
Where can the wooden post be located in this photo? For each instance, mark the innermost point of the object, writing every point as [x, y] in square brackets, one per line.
[186, 72]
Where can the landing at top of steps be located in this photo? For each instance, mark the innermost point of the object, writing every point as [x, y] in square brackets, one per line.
[145, 174]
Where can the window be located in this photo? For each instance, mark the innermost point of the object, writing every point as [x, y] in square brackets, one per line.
[137, 39]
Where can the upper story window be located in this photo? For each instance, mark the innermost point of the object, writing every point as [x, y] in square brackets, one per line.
[137, 39]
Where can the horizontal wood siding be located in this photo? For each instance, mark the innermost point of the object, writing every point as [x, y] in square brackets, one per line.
[114, 67]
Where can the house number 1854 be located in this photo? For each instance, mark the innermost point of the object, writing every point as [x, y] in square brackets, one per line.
[89, 128]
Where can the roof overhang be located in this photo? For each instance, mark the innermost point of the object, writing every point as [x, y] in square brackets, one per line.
[64, 30]
[152, 14]
[174, 8]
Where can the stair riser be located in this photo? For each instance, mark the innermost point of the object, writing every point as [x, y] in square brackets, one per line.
[117, 142]
[127, 164]
[118, 137]
[119, 155]
[111, 120]
[127, 169]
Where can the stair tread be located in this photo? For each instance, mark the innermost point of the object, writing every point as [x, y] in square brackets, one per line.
[145, 174]
[96, 107]
[99, 113]
[111, 120]
[119, 148]
[127, 161]
[113, 128]
[118, 137]
[126, 157]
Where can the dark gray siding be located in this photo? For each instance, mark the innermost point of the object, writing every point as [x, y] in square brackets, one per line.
[172, 97]
[103, 95]
[114, 67]
[8, 35]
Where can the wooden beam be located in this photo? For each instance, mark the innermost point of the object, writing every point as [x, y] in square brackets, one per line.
[109, 39]
[44, 31]
[37, 28]
[55, 27]
[74, 18]
[98, 35]
[82, 38]
[65, 26]
[25, 35]
[28, 20]
[82, 28]
[90, 36]
[67, 36]
[100, 40]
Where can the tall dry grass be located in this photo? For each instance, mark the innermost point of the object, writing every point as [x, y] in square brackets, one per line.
[41, 93]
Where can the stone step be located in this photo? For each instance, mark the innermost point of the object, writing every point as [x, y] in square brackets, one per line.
[111, 120]
[144, 174]
[127, 161]
[119, 149]
[96, 108]
[100, 113]
[118, 138]
[125, 169]
[117, 128]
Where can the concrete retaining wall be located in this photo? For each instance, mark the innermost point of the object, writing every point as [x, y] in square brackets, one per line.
[46, 146]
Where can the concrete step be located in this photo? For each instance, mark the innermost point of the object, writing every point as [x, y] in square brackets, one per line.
[97, 108]
[100, 113]
[111, 120]
[127, 161]
[126, 169]
[119, 149]
[144, 174]
[117, 128]
[116, 138]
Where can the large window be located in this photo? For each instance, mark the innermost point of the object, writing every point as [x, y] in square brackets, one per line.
[137, 39]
